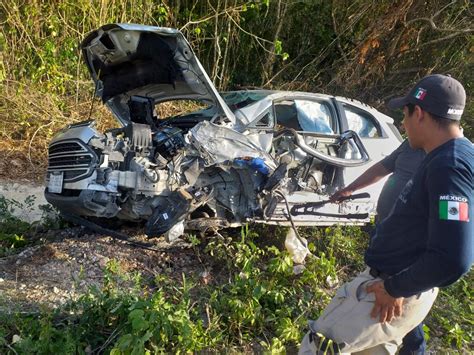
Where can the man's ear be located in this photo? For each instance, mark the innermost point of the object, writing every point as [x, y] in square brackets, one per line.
[419, 114]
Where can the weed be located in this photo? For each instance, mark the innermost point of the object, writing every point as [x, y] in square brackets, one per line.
[16, 233]
[12, 229]
[255, 303]
[452, 316]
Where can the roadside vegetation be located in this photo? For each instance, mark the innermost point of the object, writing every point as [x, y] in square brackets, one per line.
[249, 299]
[255, 302]
[332, 47]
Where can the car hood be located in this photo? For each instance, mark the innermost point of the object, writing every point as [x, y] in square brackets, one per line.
[156, 62]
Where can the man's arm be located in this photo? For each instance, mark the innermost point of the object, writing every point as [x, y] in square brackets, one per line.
[373, 174]
[369, 177]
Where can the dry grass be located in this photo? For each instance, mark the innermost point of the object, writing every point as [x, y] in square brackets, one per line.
[29, 118]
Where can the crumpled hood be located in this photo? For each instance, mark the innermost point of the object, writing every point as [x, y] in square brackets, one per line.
[156, 62]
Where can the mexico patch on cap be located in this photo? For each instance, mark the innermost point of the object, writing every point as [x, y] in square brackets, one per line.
[420, 94]
[453, 208]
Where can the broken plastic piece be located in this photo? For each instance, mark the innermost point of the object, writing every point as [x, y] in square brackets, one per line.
[295, 247]
[175, 232]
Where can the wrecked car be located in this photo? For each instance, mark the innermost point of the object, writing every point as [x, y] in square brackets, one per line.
[234, 157]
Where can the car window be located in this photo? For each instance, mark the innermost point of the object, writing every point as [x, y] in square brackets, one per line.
[265, 122]
[238, 99]
[305, 115]
[314, 116]
[362, 123]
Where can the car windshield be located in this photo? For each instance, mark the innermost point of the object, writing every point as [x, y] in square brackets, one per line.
[234, 99]
[238, 99]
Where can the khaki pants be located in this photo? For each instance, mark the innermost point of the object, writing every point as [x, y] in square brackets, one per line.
[346, 320]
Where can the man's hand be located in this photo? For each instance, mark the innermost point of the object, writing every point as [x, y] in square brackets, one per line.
[386, 306]
[345, 192]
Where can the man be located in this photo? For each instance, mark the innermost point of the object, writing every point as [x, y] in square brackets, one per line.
[401, 164]
[426, 242]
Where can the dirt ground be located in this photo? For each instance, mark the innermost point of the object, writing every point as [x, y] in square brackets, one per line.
[67, 262]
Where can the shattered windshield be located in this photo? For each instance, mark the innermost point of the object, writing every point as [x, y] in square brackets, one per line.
[234, 99]
[238, 99]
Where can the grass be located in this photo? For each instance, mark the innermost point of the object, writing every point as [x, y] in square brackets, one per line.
[252, 303]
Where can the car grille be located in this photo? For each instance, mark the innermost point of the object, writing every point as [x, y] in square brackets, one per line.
[75, 159]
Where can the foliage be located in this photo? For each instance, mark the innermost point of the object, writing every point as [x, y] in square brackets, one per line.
[253, 303]
[366, 50]
[15, 233]
[12, 229]
[452, 314]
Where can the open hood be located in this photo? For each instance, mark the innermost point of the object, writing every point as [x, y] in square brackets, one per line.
[158, 63]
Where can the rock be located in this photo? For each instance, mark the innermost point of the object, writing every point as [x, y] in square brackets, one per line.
[332, 282]
[298, 269]
[103, 262]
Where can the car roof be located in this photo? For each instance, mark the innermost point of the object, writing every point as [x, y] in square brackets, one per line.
[275, 94]
[271, 95]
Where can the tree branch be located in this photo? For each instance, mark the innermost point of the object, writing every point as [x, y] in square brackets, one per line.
[436, 28]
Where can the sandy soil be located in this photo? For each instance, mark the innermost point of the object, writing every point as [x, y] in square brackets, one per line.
[65, 263]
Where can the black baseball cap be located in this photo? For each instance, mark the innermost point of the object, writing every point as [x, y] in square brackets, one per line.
[438, 94]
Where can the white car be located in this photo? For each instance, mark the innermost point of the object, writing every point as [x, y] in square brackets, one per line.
[255, 155]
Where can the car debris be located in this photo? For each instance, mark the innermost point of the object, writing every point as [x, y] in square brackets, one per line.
[245, 156]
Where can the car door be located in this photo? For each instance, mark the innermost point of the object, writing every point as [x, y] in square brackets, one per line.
[378, 138]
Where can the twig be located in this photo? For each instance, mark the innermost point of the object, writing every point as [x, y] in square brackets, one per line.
[9, 347]
[437, 40]
[257, 39]
[32, 138]
[207, 18]
[108, 341]
[435, 27]
[323, 52]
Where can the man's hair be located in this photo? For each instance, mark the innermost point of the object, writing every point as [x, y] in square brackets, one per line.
[440, 121]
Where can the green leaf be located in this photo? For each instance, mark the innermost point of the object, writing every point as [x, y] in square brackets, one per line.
[136, 313]
[278, 47]
[139, 324]
[125, 342]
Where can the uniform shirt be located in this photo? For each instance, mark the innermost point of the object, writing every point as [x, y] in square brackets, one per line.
[403, 163]
[427, 240]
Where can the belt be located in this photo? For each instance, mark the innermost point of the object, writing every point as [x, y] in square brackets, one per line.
[376, 273]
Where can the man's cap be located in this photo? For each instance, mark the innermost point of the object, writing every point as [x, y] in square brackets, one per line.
[438, 94]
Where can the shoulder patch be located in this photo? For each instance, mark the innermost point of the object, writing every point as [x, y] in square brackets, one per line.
[453, 208]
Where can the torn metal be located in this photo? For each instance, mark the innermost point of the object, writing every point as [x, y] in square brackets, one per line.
[260, 156]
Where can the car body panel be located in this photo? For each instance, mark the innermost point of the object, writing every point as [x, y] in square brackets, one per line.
[135, 60]
[379, 147]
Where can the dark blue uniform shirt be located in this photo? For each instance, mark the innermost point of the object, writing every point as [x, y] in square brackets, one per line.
[403, 162]
[427, 239]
